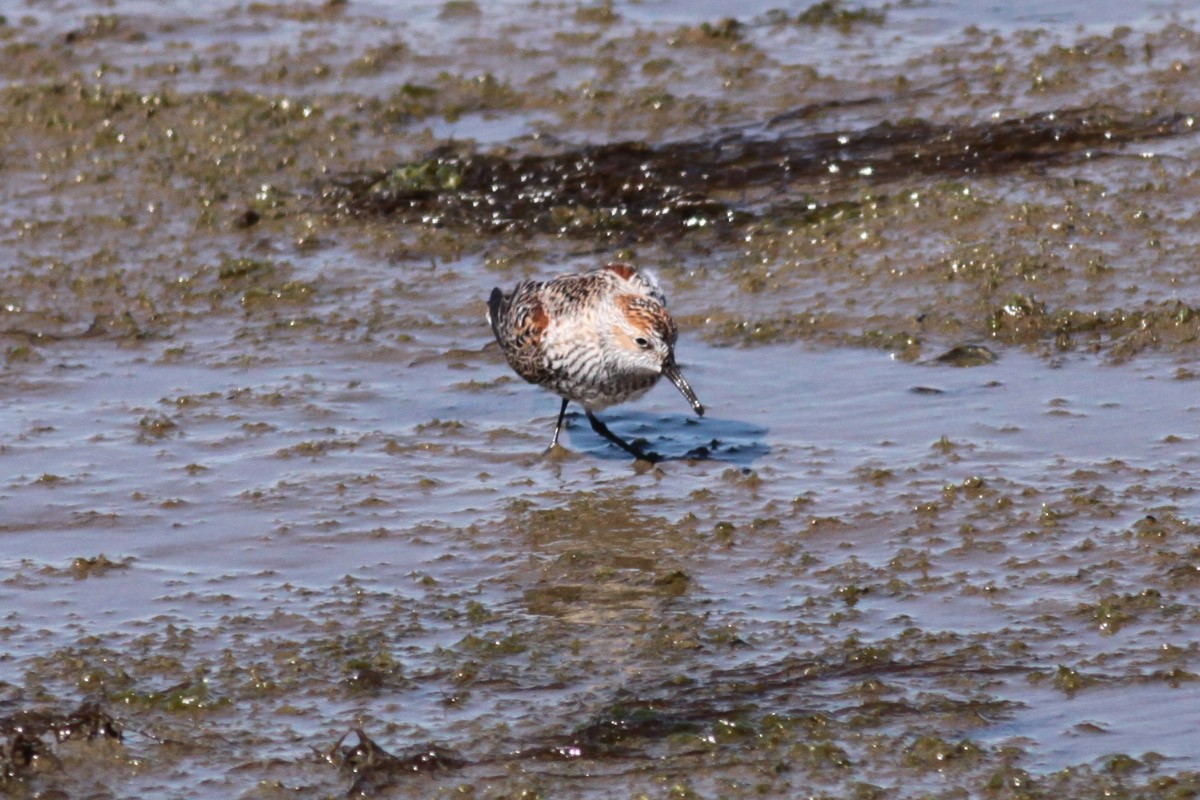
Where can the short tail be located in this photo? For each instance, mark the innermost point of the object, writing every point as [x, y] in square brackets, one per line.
[497, 310]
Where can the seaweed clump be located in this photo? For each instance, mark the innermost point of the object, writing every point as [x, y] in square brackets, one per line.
[724, 179]
[375, 769]
[27, 738]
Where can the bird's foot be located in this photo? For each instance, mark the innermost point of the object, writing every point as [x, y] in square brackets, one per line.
[642, 454]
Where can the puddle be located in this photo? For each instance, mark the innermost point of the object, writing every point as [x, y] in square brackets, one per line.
[283, 491]
[1140, 720]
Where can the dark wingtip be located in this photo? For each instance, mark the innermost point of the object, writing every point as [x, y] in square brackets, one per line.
[699, 410]
[494, 301]
[495, 306]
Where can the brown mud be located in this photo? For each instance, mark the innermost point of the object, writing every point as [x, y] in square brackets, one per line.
[275, 520]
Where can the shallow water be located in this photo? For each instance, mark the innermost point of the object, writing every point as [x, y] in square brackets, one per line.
[264, 479]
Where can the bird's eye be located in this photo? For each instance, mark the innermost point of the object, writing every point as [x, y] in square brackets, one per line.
[642, 342]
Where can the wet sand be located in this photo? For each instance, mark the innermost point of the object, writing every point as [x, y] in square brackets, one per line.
[275, 519]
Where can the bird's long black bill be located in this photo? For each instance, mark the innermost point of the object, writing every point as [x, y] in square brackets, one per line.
[671, 370]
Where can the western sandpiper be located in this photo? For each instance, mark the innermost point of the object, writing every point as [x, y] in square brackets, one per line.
[596, 338]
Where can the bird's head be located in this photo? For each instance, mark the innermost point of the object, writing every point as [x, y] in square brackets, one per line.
[644, 335]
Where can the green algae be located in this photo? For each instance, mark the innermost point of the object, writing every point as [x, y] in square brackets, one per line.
[836, 14]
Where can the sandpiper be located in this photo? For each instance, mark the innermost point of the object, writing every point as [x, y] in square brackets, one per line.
[596, 338]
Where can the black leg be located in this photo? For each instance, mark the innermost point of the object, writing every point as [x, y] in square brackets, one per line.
[558, 426]
[602, 429]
